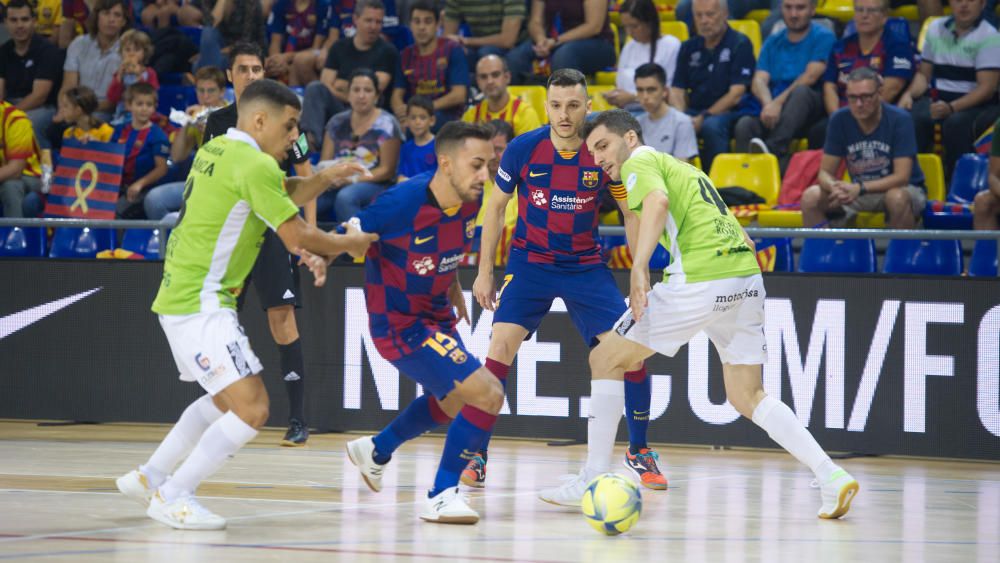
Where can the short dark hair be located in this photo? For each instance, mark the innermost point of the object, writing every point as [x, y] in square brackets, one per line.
[105, 6]
[653, 70]
[864, 73]
[363, 72]
[424, 6]
[567, 77]
[618, 121]
[16, 4]
[360, 5]
[140, 89]
[456, 132]
[273, 93]
[422, 102]
[245, 48]
[213, 73]
[501, 127]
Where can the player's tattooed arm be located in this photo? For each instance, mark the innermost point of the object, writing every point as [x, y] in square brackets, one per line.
[304, 190]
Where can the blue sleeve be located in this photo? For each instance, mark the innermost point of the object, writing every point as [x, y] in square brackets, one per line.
[743, 64]
[899, 57]
[509, 173]
[160, 142]
[904, 142]
[117, 135]
[822, 46]
[835, 144]
[830, 74]
[323, 11]
[276, 20]
[681, 70]
[390, 212]
[764, 62]
[458, 68]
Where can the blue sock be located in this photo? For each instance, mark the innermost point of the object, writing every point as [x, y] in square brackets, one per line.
[638, 389]
[421, 415]
[465, 437]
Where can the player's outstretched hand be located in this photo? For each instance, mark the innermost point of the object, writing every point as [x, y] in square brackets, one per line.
[637, 299]
[316, 264]
[346, 170]
[356, 241]
[485, 292]
[457, 300]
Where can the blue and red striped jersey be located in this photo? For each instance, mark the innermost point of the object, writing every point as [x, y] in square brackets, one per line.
[141, 149]
[409, 270]
[892, 56]
[558, 200]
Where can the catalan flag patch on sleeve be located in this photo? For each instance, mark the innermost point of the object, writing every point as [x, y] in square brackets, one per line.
[618, 191]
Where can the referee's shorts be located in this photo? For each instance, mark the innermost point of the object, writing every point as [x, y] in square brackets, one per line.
[275, 275]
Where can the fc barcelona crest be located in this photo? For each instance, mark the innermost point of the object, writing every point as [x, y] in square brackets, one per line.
[591, 178]
[470, 228]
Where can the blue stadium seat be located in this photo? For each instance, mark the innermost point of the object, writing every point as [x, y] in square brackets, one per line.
[930, 257]
[193, 33]
[837, 255]
[971, 176]
[984, 259]
[22, 241]
[176, 97]
[70, 242]
[148, 242]
[784, 260]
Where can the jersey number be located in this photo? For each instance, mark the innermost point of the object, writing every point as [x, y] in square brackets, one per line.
[188, 186]
[445, 345]
[711, 196]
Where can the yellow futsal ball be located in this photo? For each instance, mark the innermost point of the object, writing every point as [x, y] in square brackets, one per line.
[612, 504]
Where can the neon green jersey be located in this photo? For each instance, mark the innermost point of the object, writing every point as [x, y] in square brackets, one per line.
[234, 193]
[704, 239]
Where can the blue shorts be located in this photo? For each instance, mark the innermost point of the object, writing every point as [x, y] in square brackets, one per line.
[592, 297]
[438, 360]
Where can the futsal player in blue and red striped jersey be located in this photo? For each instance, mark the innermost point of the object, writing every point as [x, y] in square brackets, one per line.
[555, 254]
[425, 225]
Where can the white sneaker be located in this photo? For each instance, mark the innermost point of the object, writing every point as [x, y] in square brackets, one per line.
[758, 146]
[184, 513]
[449, 507]
[569, 492]
[135, 486]
[837, 494]
[360, 453]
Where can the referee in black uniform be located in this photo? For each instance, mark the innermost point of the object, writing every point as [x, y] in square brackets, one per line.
[276, 273]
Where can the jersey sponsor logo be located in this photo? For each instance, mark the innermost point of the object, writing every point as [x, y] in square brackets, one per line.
[745, 72]
[239, 361]
[503, 174]
[630, 182]
[449, 263]
[422, 240]
[725, 55]
[726, 302]
[292, 376]
[625, 324]
[590, 178]
[570, 203]
[203, 362]
[901, 63]
[536, 174]
[538, 198]
[423, 265]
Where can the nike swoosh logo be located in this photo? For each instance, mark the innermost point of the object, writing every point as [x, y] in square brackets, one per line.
[640, 412]
[22, 319]
[533, 175]
[419, 240]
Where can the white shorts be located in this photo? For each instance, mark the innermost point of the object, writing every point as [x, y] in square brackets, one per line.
[730, 311]
[210, 348]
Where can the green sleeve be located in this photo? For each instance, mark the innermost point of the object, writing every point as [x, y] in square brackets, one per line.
[264, 189]
[642, 175]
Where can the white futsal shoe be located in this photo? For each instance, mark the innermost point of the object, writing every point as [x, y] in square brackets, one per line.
[837, 494]
[569, 492]
[184, 513]
[135, 486]
[449, 507]
[360, 453]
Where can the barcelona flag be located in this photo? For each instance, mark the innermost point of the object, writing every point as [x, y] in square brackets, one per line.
[984, 142]
[86, 181]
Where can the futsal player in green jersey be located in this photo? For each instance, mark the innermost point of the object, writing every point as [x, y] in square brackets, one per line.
[712, 284]
[235, 191]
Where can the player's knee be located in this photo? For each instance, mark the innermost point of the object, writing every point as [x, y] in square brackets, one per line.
[493, 396]
[602, 359]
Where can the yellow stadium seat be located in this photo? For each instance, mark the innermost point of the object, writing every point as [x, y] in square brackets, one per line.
[758, 15]
[534, 95]
[606, 78]
[930, 164]
[840, 10]
[779, 218]
[597, 100]
[923, 32]
[908, 12]
[758, 173]
[751, 29]
[675, 28]
[696, 162]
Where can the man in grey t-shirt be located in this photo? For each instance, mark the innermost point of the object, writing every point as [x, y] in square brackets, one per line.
[664, 128]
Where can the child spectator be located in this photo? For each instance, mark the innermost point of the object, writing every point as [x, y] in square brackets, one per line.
[210, 84]
[77, 106]
[417, 155]
[135, 48]
[146, 150]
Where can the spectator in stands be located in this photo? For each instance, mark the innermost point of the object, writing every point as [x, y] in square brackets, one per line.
[367, 49]
[664, 128]
[367, 134]
[934, 8]
[301, 37]
[956, 83]
[74, 22]
[787, 83]
[146, 150]
[433, 66]
[171, 13]
[987, 208]
[642, 23]
[135, 48]
[29, 69]
[93, 59]
[20, 171]
[210, 84]
[226, 22]
[493, 78]
[877, 141]
[714, 69]
[582, 40]
[503, 133]
[739, 10]
[494, 27]
[417, 154]
[887, 49]
[48, 19]
[77, 106]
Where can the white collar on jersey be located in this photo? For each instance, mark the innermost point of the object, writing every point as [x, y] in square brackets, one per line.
[642, 148]
[237, 135]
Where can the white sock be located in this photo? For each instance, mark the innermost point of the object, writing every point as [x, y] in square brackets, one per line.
[197, 417]
[222, 440]
[607, 400]
[784, 427]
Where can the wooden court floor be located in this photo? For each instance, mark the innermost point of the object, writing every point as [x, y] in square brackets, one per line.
[58, 503]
